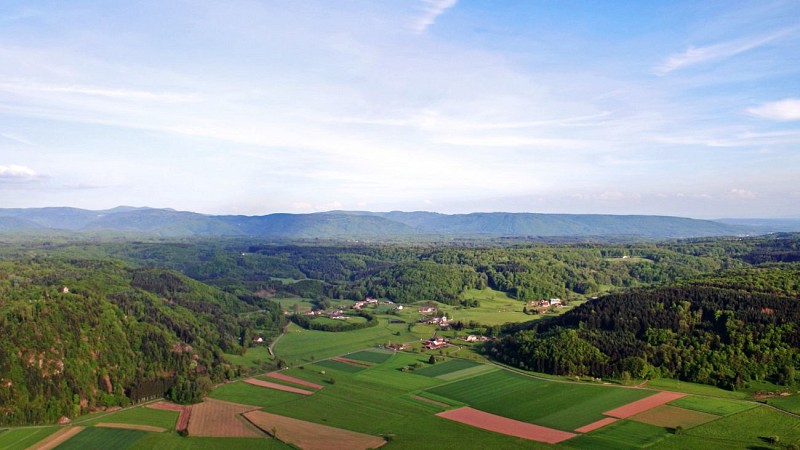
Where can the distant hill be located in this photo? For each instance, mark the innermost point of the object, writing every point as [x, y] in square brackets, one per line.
[369, 225]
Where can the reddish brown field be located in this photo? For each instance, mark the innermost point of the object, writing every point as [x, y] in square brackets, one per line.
[672, 417]
[280, 387]
[130, 426]
[166, 406]
[312, 436]
[297, 381]
[504, 425]
[217, 418]
[640, 406]
[596, 425]
[352, 362]
[57, 438]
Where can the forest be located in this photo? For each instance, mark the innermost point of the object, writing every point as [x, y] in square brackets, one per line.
[107, 322]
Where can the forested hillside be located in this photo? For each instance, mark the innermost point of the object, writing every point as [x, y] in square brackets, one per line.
[81, 334]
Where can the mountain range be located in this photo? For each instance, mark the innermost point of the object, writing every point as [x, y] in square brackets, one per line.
[373, 225]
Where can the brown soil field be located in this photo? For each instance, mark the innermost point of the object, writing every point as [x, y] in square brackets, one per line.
[647, 403]
[297, 381]
[166, 406]
[672, 416]
[217, 418]
[596, 425]
[183, 419]
[504, 425]
[432, 402]
[56, 439]
[312, 436]
[130, 426]
[280, 387]
[351, 362]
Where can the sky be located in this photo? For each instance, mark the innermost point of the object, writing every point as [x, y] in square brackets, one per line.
[252, 107]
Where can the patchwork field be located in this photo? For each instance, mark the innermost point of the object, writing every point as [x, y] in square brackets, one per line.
[253, 395]
[101, 438]
[217, 418]
[620, 435]
[558, 405]
[340, 366]
[645, 404]
[453, 365]
[161, 414]
[503, 425]
[276, 386]
[283, 377]
[375, 356]
[310, 435]
[717, 406]
[673, 417]
[22, 438]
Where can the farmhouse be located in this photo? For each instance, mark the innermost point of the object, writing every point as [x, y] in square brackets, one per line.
[435, 343]
[427, 309]
[258, 340]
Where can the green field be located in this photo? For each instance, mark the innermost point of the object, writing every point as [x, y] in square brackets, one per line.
[254, 358]
[694, 388]
[300, 346]
[718, 406]
[373, 355]
[22, 438]
[454, 365]
[340, 366]
[791, 403]
[247, 394]
[92, 438]
[172, 441]
[625, 434]
[746, 430]
[139, 416]
[564, 406]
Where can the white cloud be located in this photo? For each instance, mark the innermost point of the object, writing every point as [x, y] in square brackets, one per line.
[699, 55]
[432, 9]
[14, 172]
[783, 110]
[742, 193]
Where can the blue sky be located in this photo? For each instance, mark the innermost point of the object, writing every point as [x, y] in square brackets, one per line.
[253, 107]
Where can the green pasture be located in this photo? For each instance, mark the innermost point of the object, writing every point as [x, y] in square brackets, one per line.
[139, 416]
[339, 366]
[718, 406]
[328, 321]
[625, 434]
[299, 345]
[669, 384]
[745, 430]
[92, 438]
[564, 406]
[453, 365]
[22, 438]
[791, 403]
[172, 441]
[372, 355]
[247, 394]
[379, 406]
[254, 358]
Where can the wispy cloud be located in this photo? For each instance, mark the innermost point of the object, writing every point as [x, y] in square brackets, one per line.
[15, 172]
[783, 110]
[115, 94]
[431, 10]
[698, 55]
[16, 138]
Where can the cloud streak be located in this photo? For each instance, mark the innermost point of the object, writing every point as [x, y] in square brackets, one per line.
[15, 172]
[694, 56]
[432, 9]
[783, 110]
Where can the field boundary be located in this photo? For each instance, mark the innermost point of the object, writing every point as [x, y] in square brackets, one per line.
[276, 386]
[56, 439]
[290, 379]
[645, 404]
[504, 425]
[131, 426]
[311, 435]
[596, 425]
